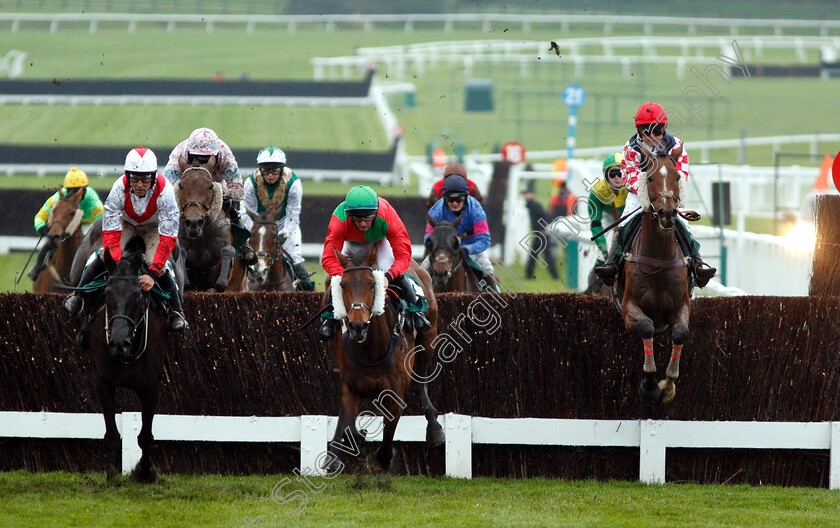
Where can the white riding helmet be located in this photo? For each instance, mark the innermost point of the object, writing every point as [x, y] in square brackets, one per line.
[271, 155]
[141, 159]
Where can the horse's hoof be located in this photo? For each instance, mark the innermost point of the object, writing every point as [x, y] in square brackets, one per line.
[434, 435]
[145, 474]
[385, 457]
[111, 473]
[650, 395]
[334, 466]
[669, 390]
[221, 286]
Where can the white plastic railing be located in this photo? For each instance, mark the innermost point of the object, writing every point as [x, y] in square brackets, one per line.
[312, 433]
[487, 21]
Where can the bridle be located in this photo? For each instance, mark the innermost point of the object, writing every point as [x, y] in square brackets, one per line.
[396, 334]
[135, 325]
[451, 270]
[197, 202]
[272, 257]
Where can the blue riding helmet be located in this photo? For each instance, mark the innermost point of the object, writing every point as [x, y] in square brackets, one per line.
[455, 184]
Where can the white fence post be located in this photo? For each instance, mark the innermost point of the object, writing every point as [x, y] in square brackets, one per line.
[834, 457]
[652, 439]
[313, 441]
[131, 452]
[458, 428]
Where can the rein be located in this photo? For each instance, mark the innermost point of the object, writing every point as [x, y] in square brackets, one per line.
[453, 269]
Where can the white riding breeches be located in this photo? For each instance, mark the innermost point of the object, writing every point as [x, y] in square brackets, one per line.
[384, 254]
[292, 246]
[482, 259]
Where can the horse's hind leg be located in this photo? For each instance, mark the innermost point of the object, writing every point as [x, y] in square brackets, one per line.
[420, 378]
[112, 435]
[145, 470]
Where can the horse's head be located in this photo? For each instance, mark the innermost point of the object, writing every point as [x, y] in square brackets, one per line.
[358, 293]
[266, 243]
[443, 246]
[125, 304]
[661, 191]
[65, 215]
[196, 194]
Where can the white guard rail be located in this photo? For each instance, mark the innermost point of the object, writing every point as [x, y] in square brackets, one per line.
[313, 433]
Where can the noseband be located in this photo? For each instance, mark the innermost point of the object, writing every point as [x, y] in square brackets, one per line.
[359, 305]
[451, 270]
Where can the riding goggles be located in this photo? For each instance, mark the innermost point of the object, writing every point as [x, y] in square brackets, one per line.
[137, 177]
[654, 130]
[614, 172]
[362, 214]
[455, 198]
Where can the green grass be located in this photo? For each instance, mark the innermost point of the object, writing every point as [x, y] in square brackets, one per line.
[68, 499]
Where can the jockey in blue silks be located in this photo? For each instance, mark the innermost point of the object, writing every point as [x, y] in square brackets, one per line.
[473, 229]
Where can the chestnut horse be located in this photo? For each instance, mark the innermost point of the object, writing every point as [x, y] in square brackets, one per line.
[271, 272]
[65, 237]
[377, 358]
[449, 266]
[205, 234]
[656, 283]
[129, 344]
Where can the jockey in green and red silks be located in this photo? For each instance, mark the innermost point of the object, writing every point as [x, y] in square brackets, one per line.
[363, 217]
[651, 123]
[141, 204]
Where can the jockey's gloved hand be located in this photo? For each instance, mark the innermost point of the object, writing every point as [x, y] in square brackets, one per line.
[44, 230]
[227, 203]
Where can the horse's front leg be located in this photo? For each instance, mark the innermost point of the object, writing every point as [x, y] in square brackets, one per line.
[679, 334]
[635, 321]
[228, 253]
[145, 470]
[346, 439]
[113, 446]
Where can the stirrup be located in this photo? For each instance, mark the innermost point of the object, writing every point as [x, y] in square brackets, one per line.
[608, 273]
[702, 275]
[328, 329]
[74, 304]
[420, 322]
[176, 321]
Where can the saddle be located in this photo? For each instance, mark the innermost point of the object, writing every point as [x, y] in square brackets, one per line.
[634, 226]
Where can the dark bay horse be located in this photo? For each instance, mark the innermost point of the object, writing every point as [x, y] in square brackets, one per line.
[65, 237]
[450, 271]
[205, 234]
[271, 272]
[129, 344]
[655, 283]
[376, 360]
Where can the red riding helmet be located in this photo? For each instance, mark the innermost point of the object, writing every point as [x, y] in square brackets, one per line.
[651, 113]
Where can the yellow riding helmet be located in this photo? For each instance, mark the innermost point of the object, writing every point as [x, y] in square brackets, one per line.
[75, 178]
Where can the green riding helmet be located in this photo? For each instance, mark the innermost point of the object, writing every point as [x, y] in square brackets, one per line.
[361, 201]
[613, 160]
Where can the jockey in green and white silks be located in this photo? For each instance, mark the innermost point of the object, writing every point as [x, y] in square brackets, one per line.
[274, 187]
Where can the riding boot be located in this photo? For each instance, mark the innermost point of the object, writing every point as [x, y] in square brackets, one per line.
[608, 271]
[176, 320]
[328, 329]
[410, 296]
[74, 303]
[41, 260]
[249, 258]
[303, 276]
[702, 272]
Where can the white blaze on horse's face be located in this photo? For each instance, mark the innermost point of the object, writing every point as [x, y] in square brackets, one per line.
[262, 248]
